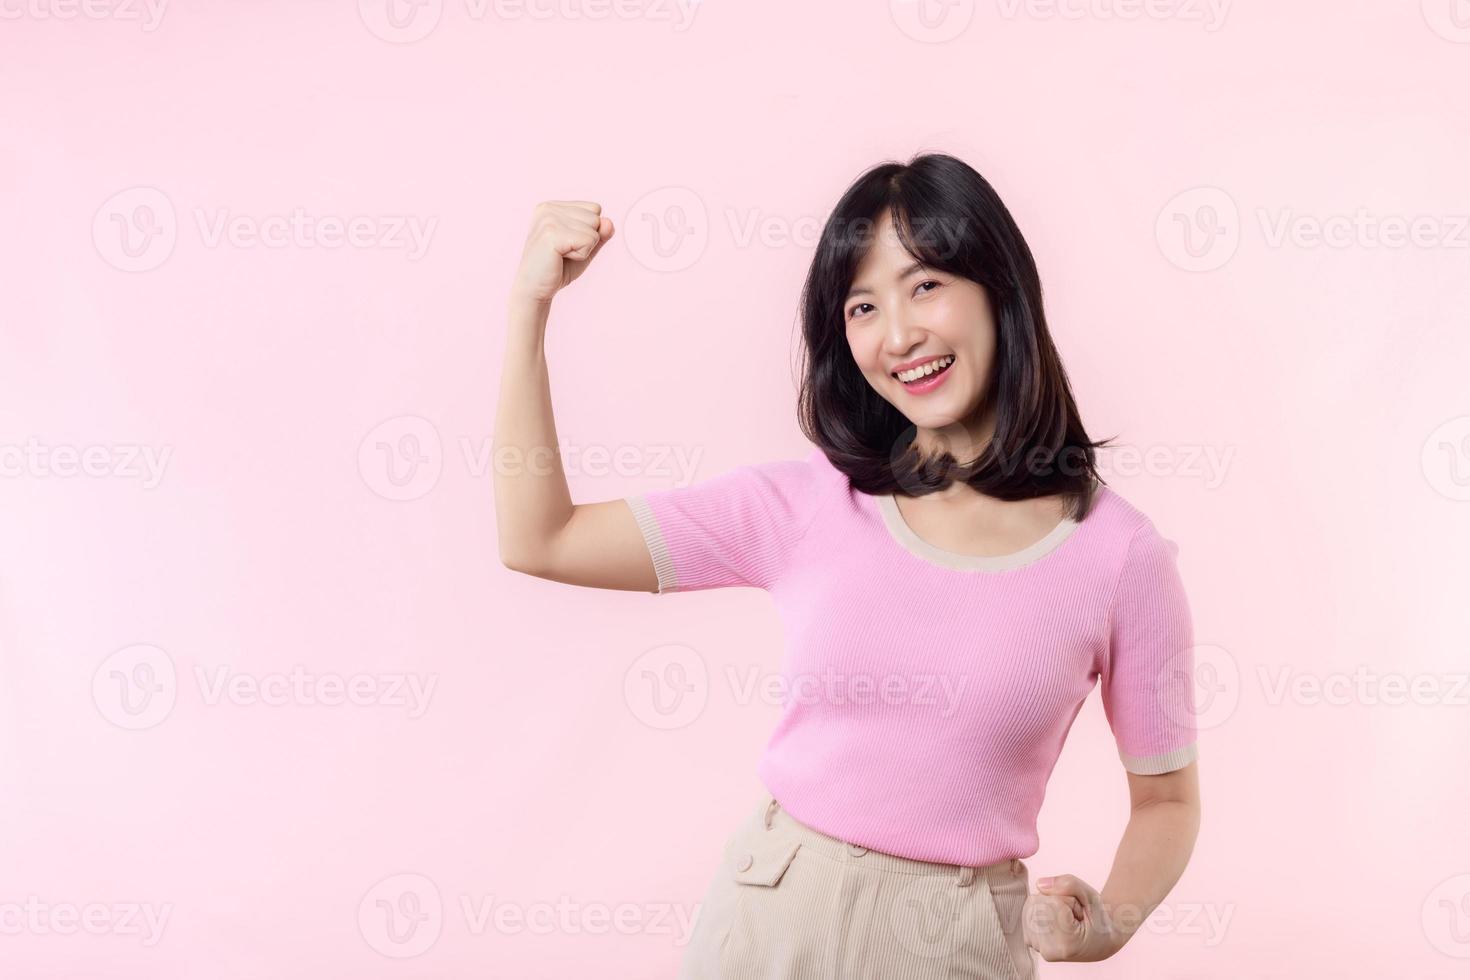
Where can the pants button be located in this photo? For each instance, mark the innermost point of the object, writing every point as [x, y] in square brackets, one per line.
[856, 850]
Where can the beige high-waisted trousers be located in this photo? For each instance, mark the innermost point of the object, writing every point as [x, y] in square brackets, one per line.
[791, 903]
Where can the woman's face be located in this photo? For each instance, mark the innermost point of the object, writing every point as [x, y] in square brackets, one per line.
[901, 314]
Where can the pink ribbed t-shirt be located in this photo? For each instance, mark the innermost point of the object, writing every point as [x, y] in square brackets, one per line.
[928, 693]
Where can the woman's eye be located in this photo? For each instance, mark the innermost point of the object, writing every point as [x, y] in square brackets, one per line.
[929, 282]
[854, 311]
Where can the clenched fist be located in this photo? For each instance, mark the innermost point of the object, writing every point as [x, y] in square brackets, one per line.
[1068, 921]
[564, 237]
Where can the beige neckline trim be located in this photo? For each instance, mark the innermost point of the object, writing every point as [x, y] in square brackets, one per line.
[916, 545]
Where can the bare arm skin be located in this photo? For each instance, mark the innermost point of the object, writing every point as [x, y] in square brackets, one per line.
[1155, 848]
[1069, 920]
[541, 532]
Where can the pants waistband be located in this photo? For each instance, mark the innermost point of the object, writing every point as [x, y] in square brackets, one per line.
[777, 818]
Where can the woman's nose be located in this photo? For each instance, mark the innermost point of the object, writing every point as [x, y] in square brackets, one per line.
[901, 333]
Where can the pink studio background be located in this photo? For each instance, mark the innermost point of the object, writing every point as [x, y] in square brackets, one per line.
[318, 416]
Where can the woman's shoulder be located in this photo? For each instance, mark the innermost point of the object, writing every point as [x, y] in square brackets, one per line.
[794, 485]
[1123, 524]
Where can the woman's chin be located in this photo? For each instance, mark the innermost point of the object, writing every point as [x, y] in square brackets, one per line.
[939, 420]
[935, 411]
[939, 414]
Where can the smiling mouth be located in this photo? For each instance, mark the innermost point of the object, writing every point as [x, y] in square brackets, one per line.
[925, 374]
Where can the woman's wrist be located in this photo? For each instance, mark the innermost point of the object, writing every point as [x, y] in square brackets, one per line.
[526, 319]
[1123, 920]
[523, 300]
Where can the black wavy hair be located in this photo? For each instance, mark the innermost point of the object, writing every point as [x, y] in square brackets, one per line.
[949, 217]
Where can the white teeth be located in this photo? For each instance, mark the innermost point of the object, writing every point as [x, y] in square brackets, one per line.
[914, 374]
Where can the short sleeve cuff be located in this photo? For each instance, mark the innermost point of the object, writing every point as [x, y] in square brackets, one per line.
[663, 565]
[1155, 765]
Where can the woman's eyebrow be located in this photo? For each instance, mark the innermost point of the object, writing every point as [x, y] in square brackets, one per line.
[914, 267]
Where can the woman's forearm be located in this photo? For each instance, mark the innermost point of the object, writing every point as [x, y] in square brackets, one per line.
[532, 501]
[1152, 855]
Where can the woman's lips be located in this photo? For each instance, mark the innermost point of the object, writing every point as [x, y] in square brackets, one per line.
[929, 382]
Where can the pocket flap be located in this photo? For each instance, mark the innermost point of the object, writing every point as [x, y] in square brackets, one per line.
[765, 863]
